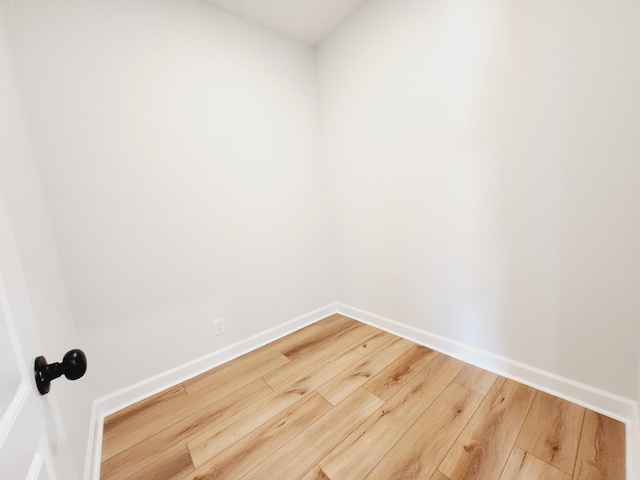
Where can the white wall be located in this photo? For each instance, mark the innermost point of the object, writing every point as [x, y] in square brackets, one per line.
[484, 164]
[178, 150]
[46, 324]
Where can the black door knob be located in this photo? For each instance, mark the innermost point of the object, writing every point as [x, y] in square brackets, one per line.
[73, 366]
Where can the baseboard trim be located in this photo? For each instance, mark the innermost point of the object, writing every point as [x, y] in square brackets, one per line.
[601, 401]
[108, 404]
[94, 448]
[633, 445]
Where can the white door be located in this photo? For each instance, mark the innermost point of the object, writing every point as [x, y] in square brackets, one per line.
[30, 429]
[24, 450]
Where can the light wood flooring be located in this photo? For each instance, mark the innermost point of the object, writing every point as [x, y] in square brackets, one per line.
[343, 400]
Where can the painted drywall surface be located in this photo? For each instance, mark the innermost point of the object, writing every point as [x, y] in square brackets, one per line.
[178, 150]
[484, 161]
[44, 319]
[479, 232]
[308, 21]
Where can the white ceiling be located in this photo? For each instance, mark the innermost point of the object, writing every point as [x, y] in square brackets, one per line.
[308, 21]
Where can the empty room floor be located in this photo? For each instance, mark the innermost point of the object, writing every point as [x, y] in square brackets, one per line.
[340, 399]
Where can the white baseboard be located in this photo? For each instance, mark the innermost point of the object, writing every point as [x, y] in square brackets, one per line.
[614, 406]
[104, 406]
[609, 404]
[94, 448]
[633, 446]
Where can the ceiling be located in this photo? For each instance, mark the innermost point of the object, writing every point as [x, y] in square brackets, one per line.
[308, 21]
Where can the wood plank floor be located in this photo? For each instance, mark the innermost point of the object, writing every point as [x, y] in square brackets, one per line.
[343, 400]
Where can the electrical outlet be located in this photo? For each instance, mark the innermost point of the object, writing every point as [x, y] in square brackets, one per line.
[218, 327]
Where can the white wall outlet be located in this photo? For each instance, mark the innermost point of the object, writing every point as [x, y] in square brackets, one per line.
[218, 327]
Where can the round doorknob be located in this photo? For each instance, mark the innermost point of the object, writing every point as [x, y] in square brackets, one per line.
[73, 366]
